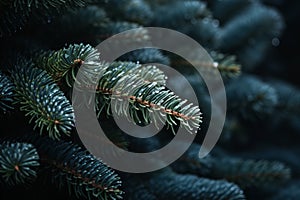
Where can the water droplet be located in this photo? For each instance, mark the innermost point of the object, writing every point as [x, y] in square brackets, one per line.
[215, 64]
[275, 42]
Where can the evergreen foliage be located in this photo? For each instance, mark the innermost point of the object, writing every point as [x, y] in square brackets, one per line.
[44, 43]
[259, 99]
[15, 14]
[18, 163]
[168, 185]
[6, 92]
[246, 173]
[42, 100]
[75, 168]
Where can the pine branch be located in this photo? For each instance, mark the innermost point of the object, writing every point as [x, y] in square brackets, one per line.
[17, 13]
[182, 12]
[128, 83]
[6, 93]
[288, 109]
[83, 25]
[145, 56]
[190, 17]
[190, 163]
[226, 64]
[258, 20]
[256, 100]
[137, 11]
[63, 64]
[10, 22]
[136, 79]
[111, 28]
[288, 97]
[118, 70]
[75, 168]
[89, 25]
[154, 101]
[41, 99]
[251, 173]
[18, 163]
[261, 25]
[245, 173]
[169, 185]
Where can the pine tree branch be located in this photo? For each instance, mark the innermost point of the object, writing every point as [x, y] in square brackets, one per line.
[6, 93]
[153, 100]
[43, 101]
[168, 185]
[258, 20]
[245, 173]
[83, 25]
[18, 163]
[75, 168]
[261, 24]
[190, 163]
[251, 173]
[182, 12]
[17, 13]
[145, 56]
[137, 80]
[63, 64]
[256, 100]
[137, 11]
[226, 64]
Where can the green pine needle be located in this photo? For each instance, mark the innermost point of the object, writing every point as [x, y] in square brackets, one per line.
[18, 163]
[63, 64]
[252, 173]
[226, 64]
[130, 87]
[166, 184]
[16, 13]
[70, 166]
[6, 93]
[43, 101]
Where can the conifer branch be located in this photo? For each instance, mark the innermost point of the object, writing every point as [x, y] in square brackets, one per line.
[245, 173]
[256, 101]
[137, 11]
[145, 56]
[166, 184]
[226, 64]
[6, 93]
[75, 168]
[251, 173]
[182, 12]
[153, 100]
[63, 65]
[112, 85]
[41, 99]
[16, 13]
[18, 163]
